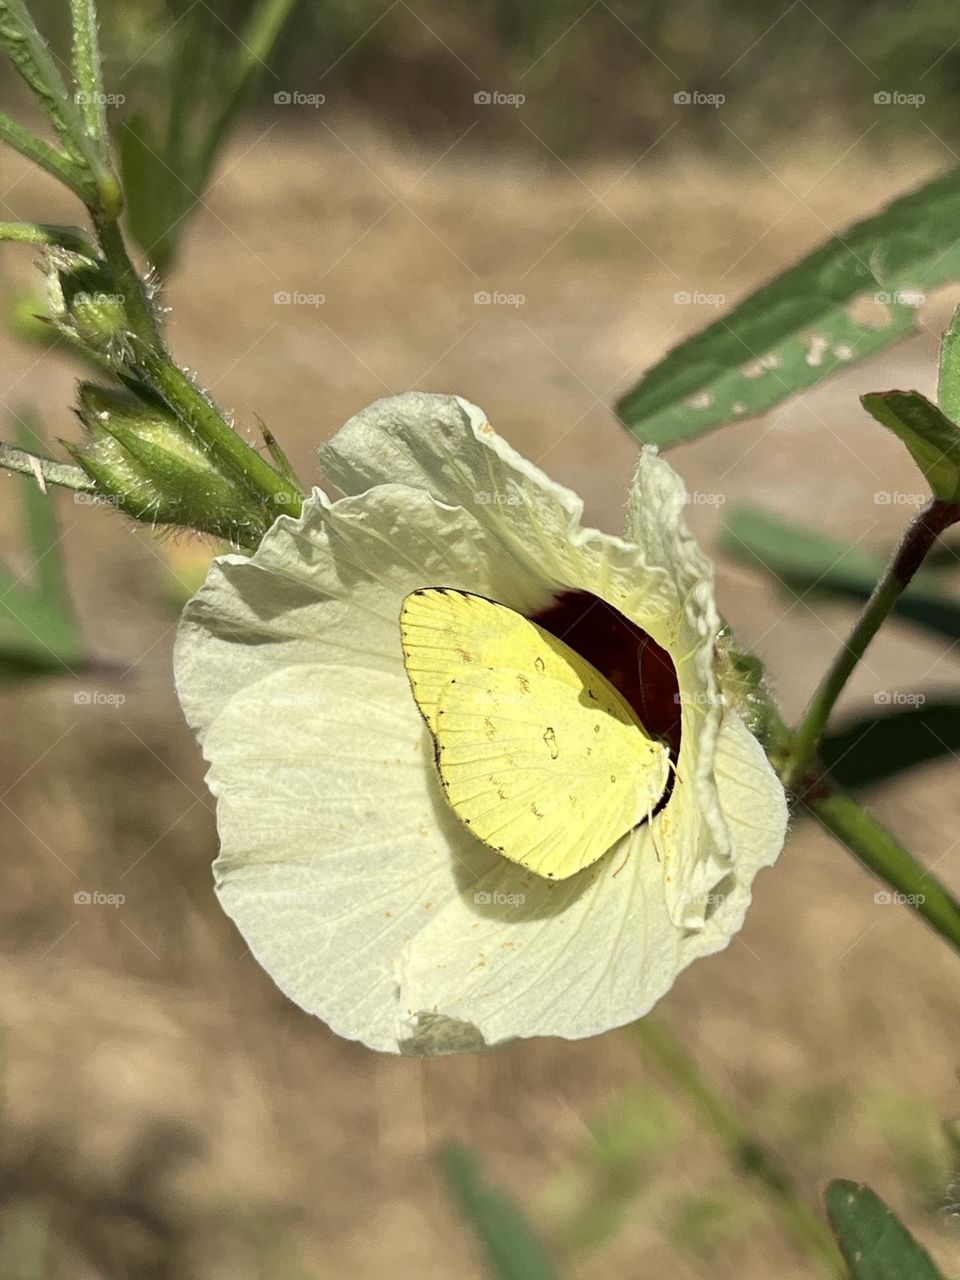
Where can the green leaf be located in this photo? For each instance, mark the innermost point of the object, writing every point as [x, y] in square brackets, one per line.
[847, 300]
[871, 748]
[38, 631]
[807, 563]
[948, 378]
[156, 197]
[876, 1245]
[932, 440]
[28, 51]
[512, 1249]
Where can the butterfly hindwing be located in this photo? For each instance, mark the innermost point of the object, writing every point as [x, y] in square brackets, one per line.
[549, 779]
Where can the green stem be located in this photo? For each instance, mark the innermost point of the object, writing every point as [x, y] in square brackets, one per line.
[62, 473]
[744, 1150]
[199, 412]
[880, 852]
[188, 401]
[71, 238]
[140, 314]
[922, 532]
[88, 75]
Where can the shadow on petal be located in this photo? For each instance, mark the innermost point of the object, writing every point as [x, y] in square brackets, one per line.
[493, 886]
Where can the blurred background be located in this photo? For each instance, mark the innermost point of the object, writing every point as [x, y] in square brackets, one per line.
[166, 1113]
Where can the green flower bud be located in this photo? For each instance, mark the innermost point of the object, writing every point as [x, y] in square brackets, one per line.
[147, 463]
[86, 305]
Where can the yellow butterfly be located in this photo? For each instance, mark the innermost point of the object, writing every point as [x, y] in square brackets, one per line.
[538, 753]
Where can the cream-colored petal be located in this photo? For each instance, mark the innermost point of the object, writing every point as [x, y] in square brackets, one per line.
[693, 833]
[327, 588]
[445, 446]
[335, 847]
[608, 949]
[374, 909]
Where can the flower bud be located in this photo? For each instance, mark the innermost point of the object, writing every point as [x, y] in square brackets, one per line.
[86, 305]
[148, 463]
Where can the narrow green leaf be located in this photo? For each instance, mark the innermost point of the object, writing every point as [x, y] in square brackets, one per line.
[805, 562]
[192, 64]
[39, 634]
[156, 197]
[512, 1249]
[27, 50]
[254, 47]
[905, 730]
[876, 1245]
[932, 440]
[854, 296]
[948, 379]
[62, 167]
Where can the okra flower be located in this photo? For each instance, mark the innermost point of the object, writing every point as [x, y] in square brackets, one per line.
[353, 881]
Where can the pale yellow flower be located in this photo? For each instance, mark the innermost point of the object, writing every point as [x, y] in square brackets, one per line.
[354, 883]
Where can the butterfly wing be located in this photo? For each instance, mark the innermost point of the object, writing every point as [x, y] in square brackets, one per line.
[539, 755]
[445, 633]
[548, 776]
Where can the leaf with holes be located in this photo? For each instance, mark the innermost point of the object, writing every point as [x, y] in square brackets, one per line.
[854, 296]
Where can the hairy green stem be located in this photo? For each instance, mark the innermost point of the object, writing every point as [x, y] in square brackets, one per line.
[922, 532]
[88, 75]
[208, 424]
[744, 1149]
[71, 238]
[61, 473]
[880, 852]
[139, 311]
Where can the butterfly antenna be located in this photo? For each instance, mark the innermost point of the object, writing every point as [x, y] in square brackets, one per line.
[673, 768]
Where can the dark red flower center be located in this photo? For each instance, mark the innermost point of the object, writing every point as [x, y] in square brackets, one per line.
[633, 662]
